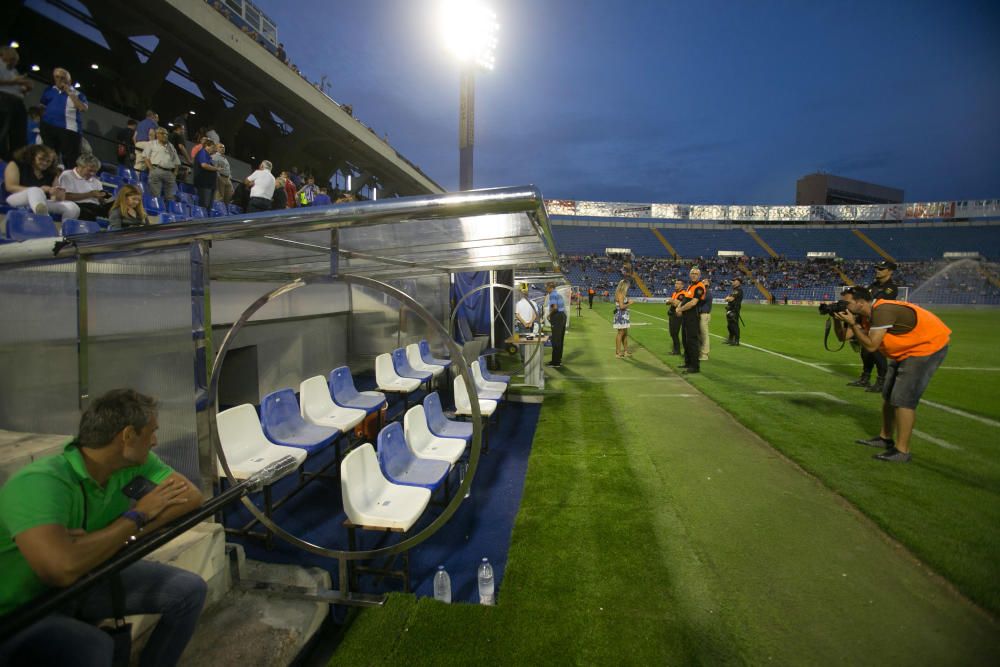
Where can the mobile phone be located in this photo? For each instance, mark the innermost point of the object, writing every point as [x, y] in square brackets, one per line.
[138, 487]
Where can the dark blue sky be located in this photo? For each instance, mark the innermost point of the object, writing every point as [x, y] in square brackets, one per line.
[694, 102]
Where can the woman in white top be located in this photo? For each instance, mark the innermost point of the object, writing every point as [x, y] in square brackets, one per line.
[621, 320]
[30, 181]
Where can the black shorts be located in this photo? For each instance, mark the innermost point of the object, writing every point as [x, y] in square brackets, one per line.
[906, 380]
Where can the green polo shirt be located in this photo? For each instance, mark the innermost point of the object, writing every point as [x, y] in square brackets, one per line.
[48, 491]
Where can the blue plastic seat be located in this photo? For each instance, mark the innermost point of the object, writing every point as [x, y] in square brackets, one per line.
[401, 466]
[344, 393]
[185, 196]
[425, 354]
[490, 377]
[127, 175]
[197, 213]
[153, 205]
[283, 424]
[440, 425]
[77, 227]
[167, 218]
[219, 209]
[234, 209]
[404, 369]
[175, 207]
[23, 225]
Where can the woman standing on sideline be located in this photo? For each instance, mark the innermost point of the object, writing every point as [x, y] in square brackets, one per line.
[128, 211]
[621, 319]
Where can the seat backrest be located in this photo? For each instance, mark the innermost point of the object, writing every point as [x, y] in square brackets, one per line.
[175, 206]
[77, 227]
[477, 374]
[234, 209]
[279, 415]
[23, 225]
[385, 370]
[197, 212]
[415, 427]
[314, 397]
[394, 455]
[413, 356]
[361, 480]
[219, 209]
[401, 363]
[152, 203]
[167, 218]
[240, 433]
[433, 412]
[425, 350]
[342, 385]
[462, 401]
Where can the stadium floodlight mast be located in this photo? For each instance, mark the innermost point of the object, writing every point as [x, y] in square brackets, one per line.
[469, 28]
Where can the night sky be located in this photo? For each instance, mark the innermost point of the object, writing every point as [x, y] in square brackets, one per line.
[692, 102]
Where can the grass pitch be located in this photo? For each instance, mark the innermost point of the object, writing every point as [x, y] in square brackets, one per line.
[656, 529]
[945, 504]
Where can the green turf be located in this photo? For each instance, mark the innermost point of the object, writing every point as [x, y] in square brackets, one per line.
[655, 529]
[944, 505]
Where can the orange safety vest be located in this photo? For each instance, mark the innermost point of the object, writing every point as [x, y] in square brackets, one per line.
[928, 336]
[689, 292]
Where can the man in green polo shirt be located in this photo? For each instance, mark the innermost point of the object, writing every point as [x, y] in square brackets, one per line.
[62, 516]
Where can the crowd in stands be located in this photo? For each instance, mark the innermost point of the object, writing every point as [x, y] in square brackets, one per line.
[51, 170]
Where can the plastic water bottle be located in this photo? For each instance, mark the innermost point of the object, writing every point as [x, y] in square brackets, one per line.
[485, 583]
[442, 585]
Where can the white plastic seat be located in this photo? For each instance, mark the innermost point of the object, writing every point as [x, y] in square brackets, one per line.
[372, 501]
[246, 447]
[463, 405]
[425, 444]
[388, 380]
[417, 362]
[486, 389]
[318, 408]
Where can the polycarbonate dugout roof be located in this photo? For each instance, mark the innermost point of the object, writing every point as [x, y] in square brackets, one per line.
[500, 228]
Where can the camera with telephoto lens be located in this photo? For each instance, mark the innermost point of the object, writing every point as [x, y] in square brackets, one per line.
[831, 308]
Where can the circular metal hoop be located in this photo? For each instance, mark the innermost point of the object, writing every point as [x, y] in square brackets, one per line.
[535, 349]
[457, 358]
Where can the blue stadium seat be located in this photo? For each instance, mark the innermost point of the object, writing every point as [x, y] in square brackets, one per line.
[404, 369]
[234, 209]
[490, 377]
[219, 210]
[23, 225]
[153, 205]
[425, 354]
[284, 425]
[127, 175]
[440, 425]
[78, 227]
[401, 466]
[177, 208]
[197, 213]
[344, 393]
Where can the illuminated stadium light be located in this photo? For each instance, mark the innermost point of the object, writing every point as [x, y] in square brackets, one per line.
[94, 66]
[469, 29]
[191, 112]
[36, 68]
[15, 45]
[76, 85]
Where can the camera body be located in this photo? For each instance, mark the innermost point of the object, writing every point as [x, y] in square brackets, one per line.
[831, 308]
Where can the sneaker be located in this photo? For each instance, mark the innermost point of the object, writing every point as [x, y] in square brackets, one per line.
[860, 382]
[689, 371]
[877, 441]
[552, 364]
[893, 455]
[41, 209]
[876, 388]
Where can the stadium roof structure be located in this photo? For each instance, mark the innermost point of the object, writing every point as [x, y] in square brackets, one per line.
[406, 237]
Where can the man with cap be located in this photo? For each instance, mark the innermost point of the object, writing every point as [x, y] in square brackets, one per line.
[882, 287]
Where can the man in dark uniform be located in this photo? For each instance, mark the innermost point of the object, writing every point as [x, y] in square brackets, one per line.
[673, 318]
[733, 304]
[882, 287]
[590, 297]
[691, 321]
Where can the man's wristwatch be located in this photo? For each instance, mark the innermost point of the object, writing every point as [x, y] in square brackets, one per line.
[138, 517]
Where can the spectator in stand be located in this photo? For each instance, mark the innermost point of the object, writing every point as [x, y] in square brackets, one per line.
[142, 145]
[282, 56]
[13, 115]
[291, 201]
[149, 124]
[30, 181]
[213, 135]
[126, 144]
[34, 126]
[308, 192]
[83, 187]
[61, 121]
[206, 174]
[296, 177]
[199, 142]
[322, 199]
[162, 162]
[178, 139]
[224, 188]
[278, 200]
[261, 184]
[128, 211]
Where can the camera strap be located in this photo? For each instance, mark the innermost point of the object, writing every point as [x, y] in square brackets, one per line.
[826, 337]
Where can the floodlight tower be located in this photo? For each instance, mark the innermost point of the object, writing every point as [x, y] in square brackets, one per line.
[470, 31]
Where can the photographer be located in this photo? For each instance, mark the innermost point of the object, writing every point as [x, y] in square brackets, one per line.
[674, 318]
[882, 287]
[734, 302]
[916, 342]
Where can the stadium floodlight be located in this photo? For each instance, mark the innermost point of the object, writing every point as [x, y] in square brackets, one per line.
[469, 29]
[15, 45]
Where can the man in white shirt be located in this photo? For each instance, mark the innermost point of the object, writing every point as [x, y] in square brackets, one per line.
[162, 162]
[525, 312]
[83, 188]
[261, 184]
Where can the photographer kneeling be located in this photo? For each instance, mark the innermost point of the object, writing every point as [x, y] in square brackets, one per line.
[914, 340]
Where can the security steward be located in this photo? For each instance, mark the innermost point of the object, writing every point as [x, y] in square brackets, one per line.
[882, 287]
[916, 342]
[590, 297]
[691, 322]
[734, 302]
[673, 318]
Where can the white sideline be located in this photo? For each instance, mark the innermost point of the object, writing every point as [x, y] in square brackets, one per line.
[937, 441]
